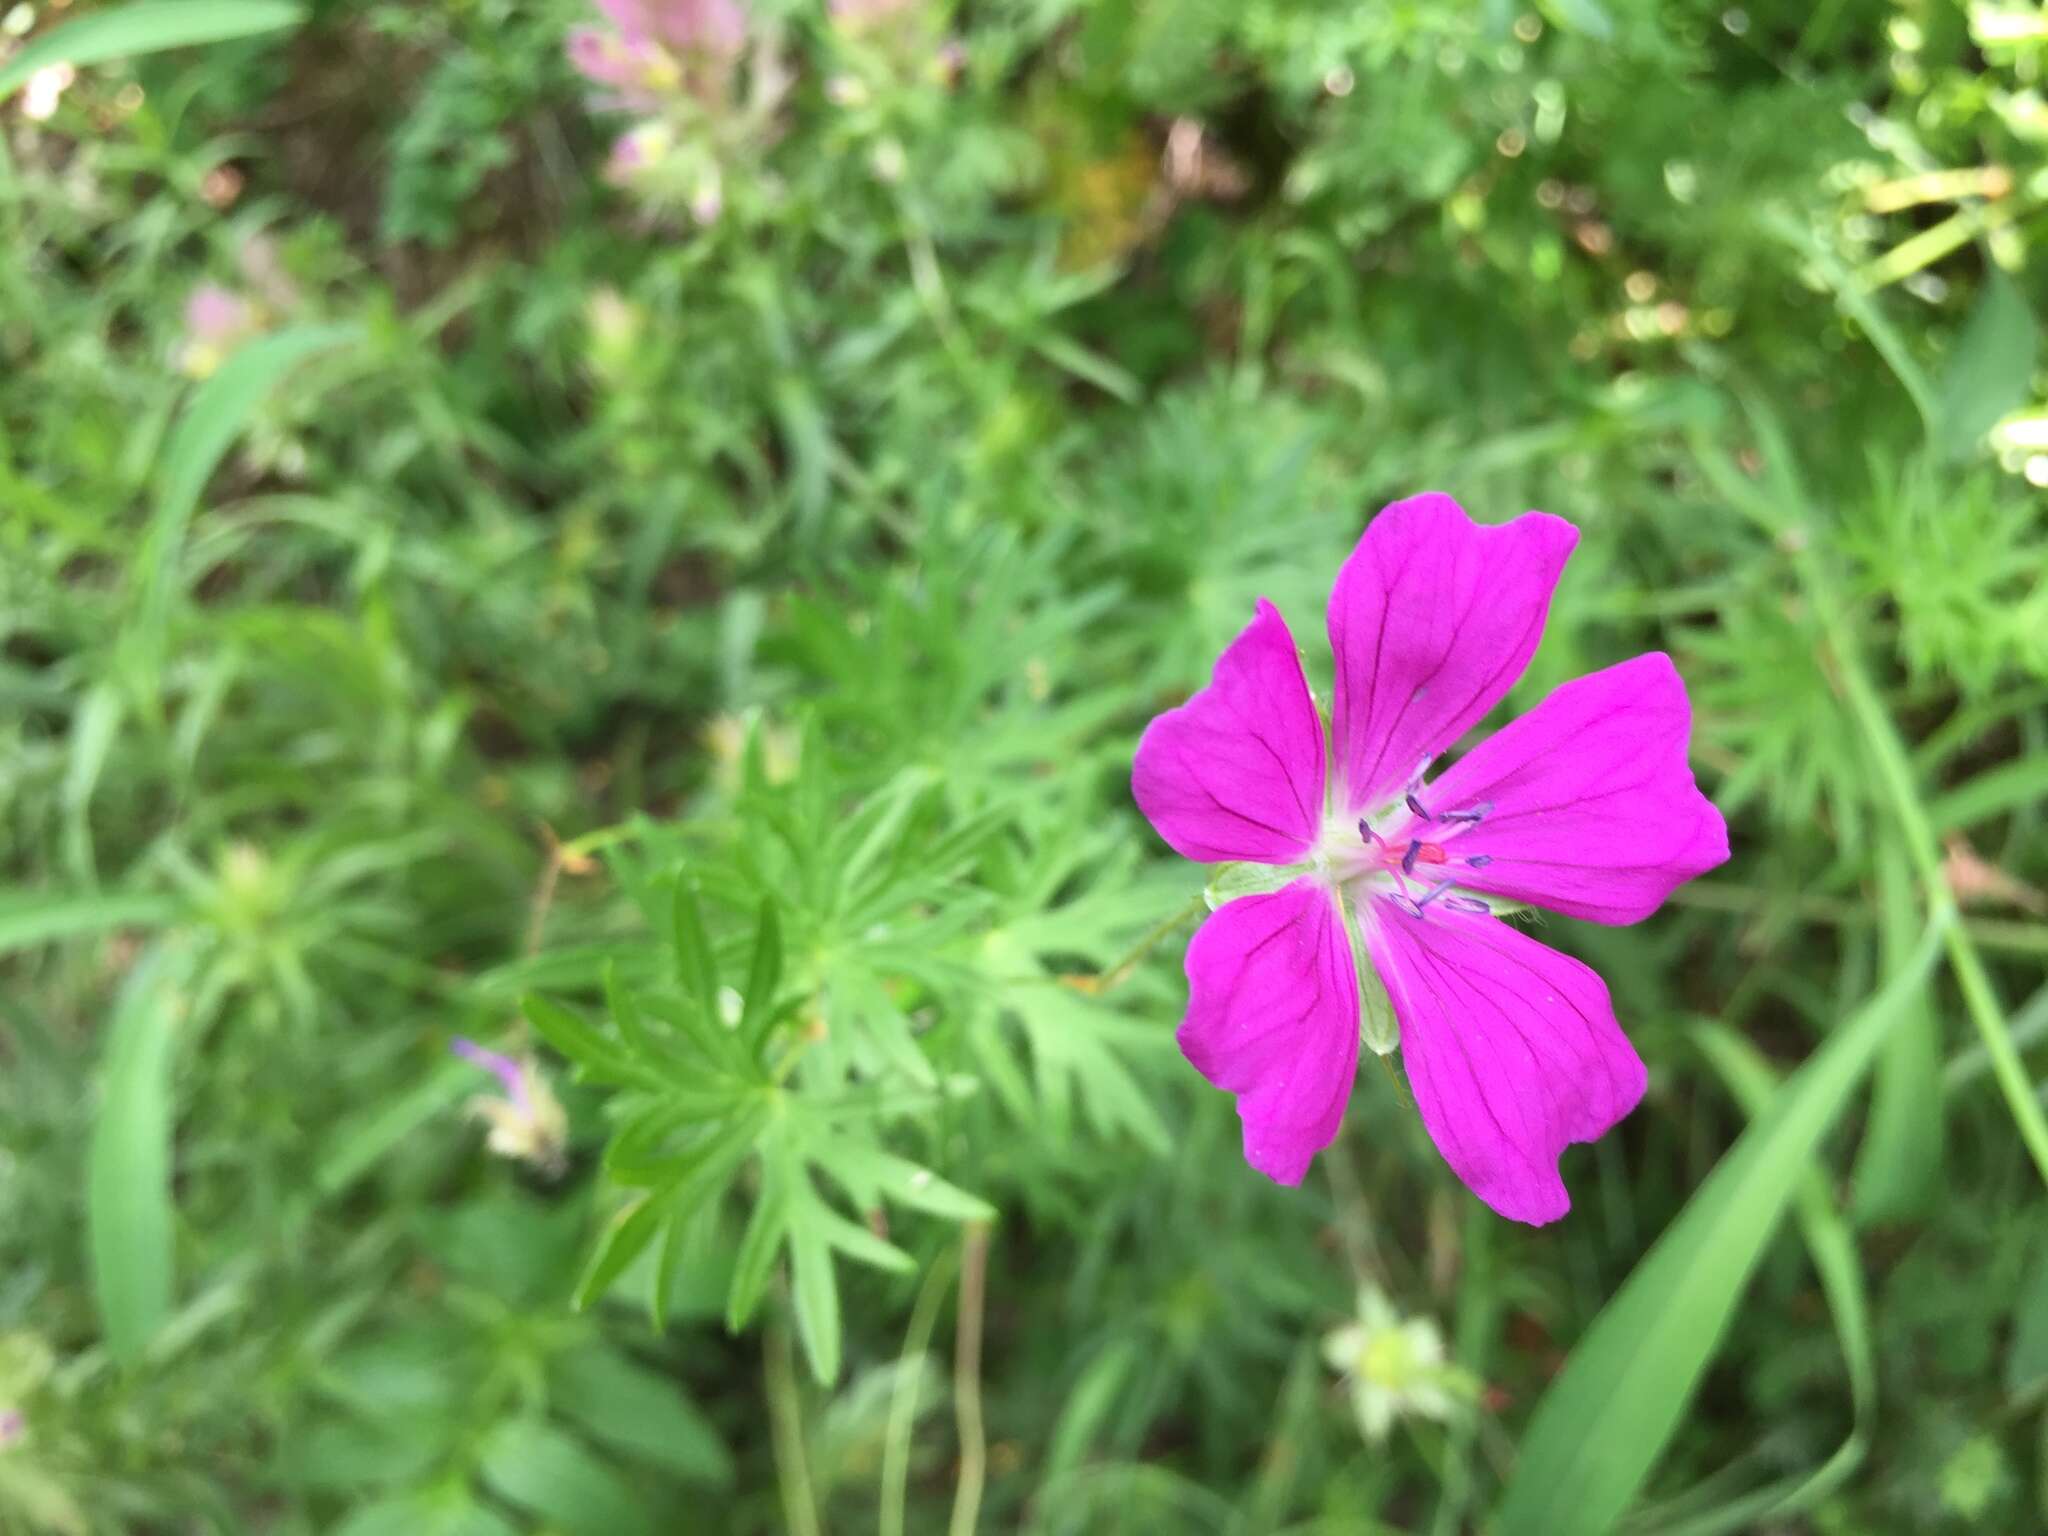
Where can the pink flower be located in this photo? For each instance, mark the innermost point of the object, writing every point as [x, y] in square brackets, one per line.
[216, 322]
[1585, 805]
[655, 48]
[214, 314]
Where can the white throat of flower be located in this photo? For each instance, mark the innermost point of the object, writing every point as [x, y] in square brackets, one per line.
[1369, 875]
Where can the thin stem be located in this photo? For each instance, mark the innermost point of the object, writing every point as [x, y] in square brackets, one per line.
[917, 1339]
[786, 1432]
[967, 1382]
[1353, 1213]
[2020, 938]
[543, 896]
[1121, 972]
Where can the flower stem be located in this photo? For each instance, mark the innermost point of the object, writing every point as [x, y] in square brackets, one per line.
[967, 1382]
[1109, 980]
[786, 1432]
[910, 1368]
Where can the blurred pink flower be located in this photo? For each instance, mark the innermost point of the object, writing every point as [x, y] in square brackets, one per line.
[212, 313]
[216, 322]
[656, 48]
[1585, 805]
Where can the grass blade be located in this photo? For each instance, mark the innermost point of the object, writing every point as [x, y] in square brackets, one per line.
[128, 1191]
[1898, 1168]
[1833, 1250]
[219, 410]
[28, 919]
[1602, 1425]
[151, 26]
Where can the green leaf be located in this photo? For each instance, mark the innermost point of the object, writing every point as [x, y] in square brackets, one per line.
[94, 729]
[903, 1181]
[128, 1196]
[695, 968]
[360, 1143]
[762, 977]
[2026, 1362]
[1587, 17]
[576, 1040]
[1898, 1167]
[816, 1290]
[861, 1245]
[530, 1463]
[150, 26]
[636, 1412]
[1833, 1250]
[1991, 369]
[218, 412]
[766, 1228]
[28, 918]
[625, 1013]
[625, 1238]
[429, 1514]
[1604, 1422]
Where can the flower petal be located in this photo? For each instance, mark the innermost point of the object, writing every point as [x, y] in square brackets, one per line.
[1511, 1048]
[1237, 771]
[1594, 810]
[1273, 1018]
[1432, 620]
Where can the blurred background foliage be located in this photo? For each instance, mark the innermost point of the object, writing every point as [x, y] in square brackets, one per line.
[666, 584]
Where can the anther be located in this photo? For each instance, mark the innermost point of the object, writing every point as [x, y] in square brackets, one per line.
[1480, 860]
[1408, 859]
[1478, 812]
[1415, 805]
[1366, 832]
[1469, 904]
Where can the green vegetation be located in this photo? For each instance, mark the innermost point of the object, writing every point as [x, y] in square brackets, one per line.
[668, 589]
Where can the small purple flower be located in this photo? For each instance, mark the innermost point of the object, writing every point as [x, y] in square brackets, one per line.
[528, 1123]
[1585, 805]
[502, 1067]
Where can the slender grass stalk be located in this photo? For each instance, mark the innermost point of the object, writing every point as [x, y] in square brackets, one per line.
[924, 1316]
[967, 1383]
[786, 1432]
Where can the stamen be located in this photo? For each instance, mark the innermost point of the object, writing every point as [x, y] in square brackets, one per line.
[1366, 832]
[1408, 859]
[1415, 805]
[1480, 860]
[1478, 813]
[1470, 904]
[1415, 907]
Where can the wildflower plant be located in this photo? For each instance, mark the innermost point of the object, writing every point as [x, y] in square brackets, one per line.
[807, 528]
[703, 82]
[1372, 905]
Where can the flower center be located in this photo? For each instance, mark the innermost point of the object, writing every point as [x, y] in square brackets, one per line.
[1417, 865]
